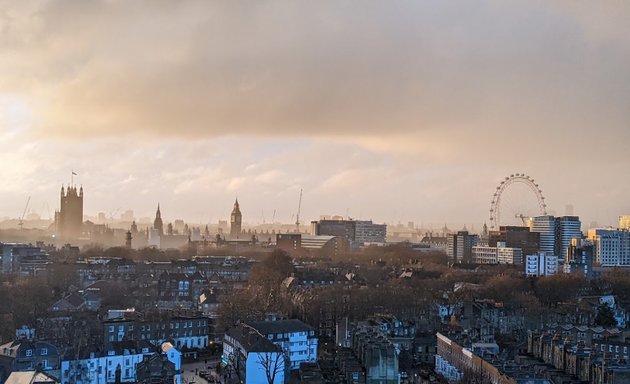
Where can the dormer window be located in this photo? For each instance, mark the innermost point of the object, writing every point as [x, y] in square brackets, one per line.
[29, 352]
[44, 351]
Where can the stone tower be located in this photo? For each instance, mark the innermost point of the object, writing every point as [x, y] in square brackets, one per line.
[235, 221]
[69, 218]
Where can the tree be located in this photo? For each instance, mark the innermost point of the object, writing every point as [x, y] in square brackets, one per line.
[279, 261]
[556, 289]
[272, 363]
[605, 316]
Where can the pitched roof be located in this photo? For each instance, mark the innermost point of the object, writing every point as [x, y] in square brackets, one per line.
[251, 340]
[75, 300]
[29, 377]
[281, 326]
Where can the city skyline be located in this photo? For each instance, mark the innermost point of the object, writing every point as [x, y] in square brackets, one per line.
[393, 112]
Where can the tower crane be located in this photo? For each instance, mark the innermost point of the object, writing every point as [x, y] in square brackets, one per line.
[21, 222]
[523, 218]
[297, 216]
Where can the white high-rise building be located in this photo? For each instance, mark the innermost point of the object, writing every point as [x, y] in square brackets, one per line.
[546, 227]
[611, 246]
[541, 264]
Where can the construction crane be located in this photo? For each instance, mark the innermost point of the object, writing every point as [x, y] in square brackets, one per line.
[297, 216]
[523, 218]
[21, 222]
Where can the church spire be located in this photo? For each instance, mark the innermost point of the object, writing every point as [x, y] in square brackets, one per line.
[157, 223]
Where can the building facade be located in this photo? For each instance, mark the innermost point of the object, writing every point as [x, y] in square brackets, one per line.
[117, 362]
[567, 229]
[516, 237]
[377, 354]
[611, 246]
[497, 255]
[251, 357]
[579, 259]
[459, 247]
[546, 227]
[297, 340]
[357, 232]
[27, 355]
[541, 264]
[184, 332]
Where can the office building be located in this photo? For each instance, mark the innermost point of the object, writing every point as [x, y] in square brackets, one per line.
[459, 247]
[515, 237]
[624, 222]
[357, 232]
[611, 246]
[567, 229]
[545, 226]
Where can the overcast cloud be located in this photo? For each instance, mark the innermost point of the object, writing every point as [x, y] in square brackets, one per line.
[391, 110]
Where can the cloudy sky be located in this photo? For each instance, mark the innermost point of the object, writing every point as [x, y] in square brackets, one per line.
[389, 110]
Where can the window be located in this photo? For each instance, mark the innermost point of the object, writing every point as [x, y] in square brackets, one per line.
[44, 351]
[29, 352]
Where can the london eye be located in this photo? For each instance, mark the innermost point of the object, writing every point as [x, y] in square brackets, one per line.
[517, 178]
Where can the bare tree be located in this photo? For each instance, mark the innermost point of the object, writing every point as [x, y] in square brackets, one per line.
[273, 363]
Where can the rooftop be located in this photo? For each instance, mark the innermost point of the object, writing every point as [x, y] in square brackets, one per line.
[281, 326]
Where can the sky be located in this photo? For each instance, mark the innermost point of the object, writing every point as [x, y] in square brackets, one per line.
[394, 111]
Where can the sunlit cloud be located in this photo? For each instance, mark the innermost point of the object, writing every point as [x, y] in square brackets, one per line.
[401, 106]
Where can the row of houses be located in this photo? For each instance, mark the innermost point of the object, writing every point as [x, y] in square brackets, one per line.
[116, 362]
[592, 354]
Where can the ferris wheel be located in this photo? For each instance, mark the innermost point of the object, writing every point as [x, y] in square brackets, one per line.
[495, 206]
